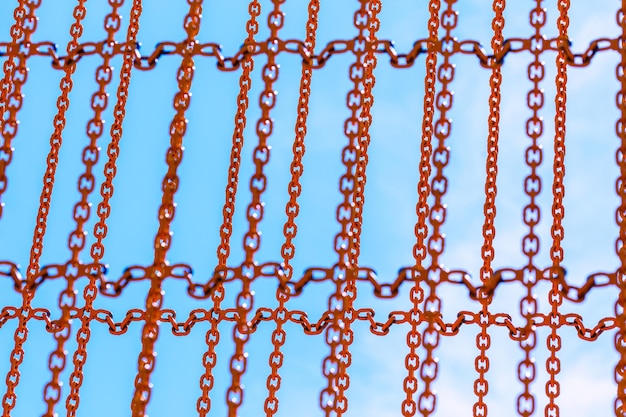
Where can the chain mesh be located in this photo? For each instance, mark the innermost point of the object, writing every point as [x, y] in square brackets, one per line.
[85, 277]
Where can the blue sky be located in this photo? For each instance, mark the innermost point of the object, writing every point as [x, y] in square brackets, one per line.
[387, 239]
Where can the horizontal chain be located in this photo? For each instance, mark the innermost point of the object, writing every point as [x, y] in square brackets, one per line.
[148, 61]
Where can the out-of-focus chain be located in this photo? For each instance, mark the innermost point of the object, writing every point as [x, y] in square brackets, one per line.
[620, 218]
[292, 209]
[483, 339]
[555, 298]
[532, 211]
[334, 366]
[254, 213]
[86, 184]
[167, 209]
[15, 75]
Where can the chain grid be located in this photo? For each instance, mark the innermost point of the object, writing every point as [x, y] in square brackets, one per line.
[423, 321]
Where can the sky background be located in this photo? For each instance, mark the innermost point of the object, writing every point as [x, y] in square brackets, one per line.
[387, 240]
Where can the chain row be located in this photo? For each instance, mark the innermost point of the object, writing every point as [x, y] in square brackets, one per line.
[315, 327]
[452, 46]
[528, 277]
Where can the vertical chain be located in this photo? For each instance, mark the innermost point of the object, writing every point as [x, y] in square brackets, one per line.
[254, 214]
[532, 211]
[82, 210]
[63, 104]
[620, 218]
[437, 215]
[15, 75]
[483, 339]
[553, 342]
[14, 78]
[162, 242]
[292, 208]
[332, 399]
[414, 337]
[209, 359]
[67, 298]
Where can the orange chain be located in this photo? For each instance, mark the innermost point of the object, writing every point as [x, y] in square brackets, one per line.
[292, 208]
[553, 342]
[147, 357]
[95, 126]
[532, 213]
[483, 339]
[439, 185]
[254, 214]
[620, 218]
[338, 334]
[414, 337]
[209, 359]
[15, 75]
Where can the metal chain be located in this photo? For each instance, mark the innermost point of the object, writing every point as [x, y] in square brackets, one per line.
[292, 208]
[483, 339]
[332, 398]
[86, 183]
[15, 76]
[439, 185]
[209, 359]
[252, 238]
[620, 218]
[532, 212]
[167, 209]
[553, 342]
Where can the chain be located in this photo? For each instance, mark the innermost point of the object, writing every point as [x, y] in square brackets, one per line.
[532, 211]
[483, 339]
[209, 358]
[620, 218]
[167, 209]
[86, 182]
[553, 364]
[15, 76]
[414, 337]
[338, 334]
[439, 185]
[292, 208]
[258, 184]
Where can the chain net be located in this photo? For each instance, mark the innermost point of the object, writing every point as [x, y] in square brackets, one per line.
[243, 313]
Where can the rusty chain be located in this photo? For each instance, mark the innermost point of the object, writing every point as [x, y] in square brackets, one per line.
[423, 322]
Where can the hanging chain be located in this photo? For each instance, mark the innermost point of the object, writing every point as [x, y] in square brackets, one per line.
[15, 75]
[483, 339]
[209, 359]
[332, 398]
[620, 218]
[414, 337]
[437, 214]
[292, 208]
[553, 364]
[254, 214]
[167, 209]
[82, 210]
[532, 212]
